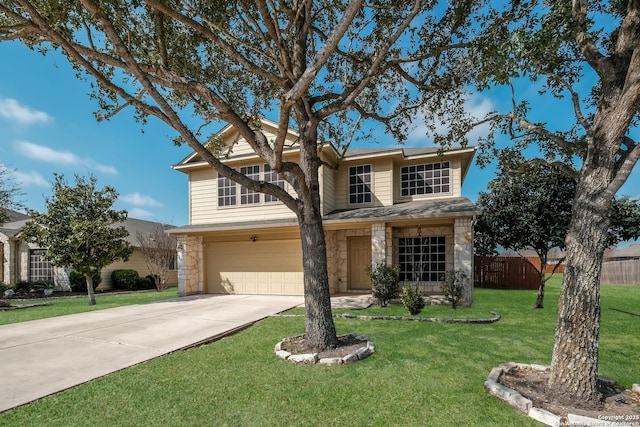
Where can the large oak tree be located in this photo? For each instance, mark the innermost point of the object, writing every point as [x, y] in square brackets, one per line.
[329, 68]
[585, 56]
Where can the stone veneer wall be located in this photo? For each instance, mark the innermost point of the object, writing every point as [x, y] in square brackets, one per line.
[190, 265]
[464, 253]
[337, 256]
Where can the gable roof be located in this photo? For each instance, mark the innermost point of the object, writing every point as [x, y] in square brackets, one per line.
[467, 153]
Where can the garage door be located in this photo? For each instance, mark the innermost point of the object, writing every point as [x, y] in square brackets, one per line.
[261, 267]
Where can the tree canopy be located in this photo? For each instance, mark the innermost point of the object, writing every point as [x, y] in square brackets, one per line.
[328, 68]
[79, 229]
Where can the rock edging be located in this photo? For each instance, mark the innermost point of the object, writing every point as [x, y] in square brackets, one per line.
[367, 349]
[496, 317]
[522, 404]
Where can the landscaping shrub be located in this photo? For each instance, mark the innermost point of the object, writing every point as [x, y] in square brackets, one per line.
[78, 282]
[412, 299]
[145, 283]
[452, 286]
[384, 283]
[125, 279]
[22, 287]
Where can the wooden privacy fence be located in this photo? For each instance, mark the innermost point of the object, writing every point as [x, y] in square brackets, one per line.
[505, 272]
[620, 272]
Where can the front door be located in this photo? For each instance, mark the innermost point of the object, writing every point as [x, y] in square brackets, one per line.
[359, 262]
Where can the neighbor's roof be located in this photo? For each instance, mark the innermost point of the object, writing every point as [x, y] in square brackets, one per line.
[132, 225]
[632, 251]
[421, 209]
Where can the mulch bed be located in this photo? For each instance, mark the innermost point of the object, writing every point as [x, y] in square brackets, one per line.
[347, 344]
[533, 384]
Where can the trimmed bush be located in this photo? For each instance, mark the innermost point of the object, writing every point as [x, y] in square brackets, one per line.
[452, 286]
[78, 282]
[125, 279]
[412, 299]
[144, 283]
[22, 287]
[384, 283]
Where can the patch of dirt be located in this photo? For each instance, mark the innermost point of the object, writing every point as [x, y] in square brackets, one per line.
[347, 344]
[533, 384]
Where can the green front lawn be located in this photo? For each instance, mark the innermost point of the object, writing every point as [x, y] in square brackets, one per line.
[64, 306]
[422, 374]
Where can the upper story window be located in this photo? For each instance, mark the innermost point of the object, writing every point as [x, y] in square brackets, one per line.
[272, 177]
[430, 178]
[360, 184]
[226, 191]
[249, 197]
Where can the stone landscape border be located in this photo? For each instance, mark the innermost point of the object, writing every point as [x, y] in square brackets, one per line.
[495, 318]
[521, 403]
[363, 352]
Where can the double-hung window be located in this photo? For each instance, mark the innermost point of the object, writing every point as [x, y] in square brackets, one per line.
[250, 197]
[272, 177]
[360, 184]
[430, 178]
[421, 259]
[226, 191]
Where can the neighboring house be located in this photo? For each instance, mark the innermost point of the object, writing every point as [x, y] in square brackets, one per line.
[24, 262]
[631, 252]
[398, 206]
[554, 256]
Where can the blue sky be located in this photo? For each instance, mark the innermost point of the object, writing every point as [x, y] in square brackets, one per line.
[47, 125]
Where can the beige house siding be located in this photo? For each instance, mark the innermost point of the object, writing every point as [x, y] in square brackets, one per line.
[203, 186]
[327, 184]
[381, 183]
[135, 262]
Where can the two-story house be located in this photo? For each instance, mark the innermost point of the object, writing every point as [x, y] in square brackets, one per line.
[399, 206]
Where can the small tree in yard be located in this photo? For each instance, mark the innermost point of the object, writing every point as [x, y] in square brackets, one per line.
[453, 284]
[528, 206]
[159, 251]
[78, 229]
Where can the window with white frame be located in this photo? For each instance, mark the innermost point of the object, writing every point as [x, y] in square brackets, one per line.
[430, 178]
[275, 179]
[250, 197]
[40, 269]
[360, 184]
[226, 191]
[421, 259]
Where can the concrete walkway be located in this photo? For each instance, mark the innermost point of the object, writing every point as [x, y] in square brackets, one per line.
[43, 357]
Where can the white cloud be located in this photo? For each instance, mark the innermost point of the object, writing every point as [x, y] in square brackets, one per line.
[10, 109]
[139, 213]
[46, 154]
[138, 199]
[28, 179]
[60, 157]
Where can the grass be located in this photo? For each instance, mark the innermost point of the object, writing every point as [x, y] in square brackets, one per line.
[422, 374]
[64, 306]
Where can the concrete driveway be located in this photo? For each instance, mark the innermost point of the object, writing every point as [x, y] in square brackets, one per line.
[43, 357]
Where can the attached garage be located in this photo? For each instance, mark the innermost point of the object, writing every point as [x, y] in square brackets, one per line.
[254, 267]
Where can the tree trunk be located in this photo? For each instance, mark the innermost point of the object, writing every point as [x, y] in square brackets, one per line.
[92, 296]
[543, 281]
[320, 331]
[574, 365]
